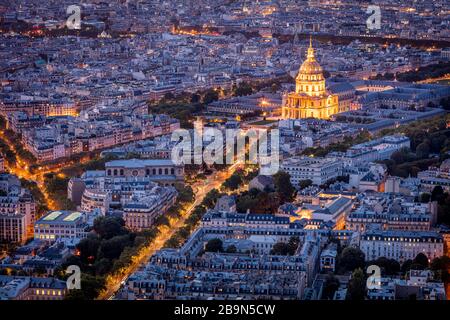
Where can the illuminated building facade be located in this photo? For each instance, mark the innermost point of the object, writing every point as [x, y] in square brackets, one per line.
[310, 99]
[13, 227]
[401, 245]
[31, 288]
[42, 107]
[17, 210]
[61, 225]
[163, 171]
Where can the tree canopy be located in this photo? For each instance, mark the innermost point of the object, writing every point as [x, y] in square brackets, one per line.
[351, 258]
[357, 285]
[285, 249]
[283, 186]
[214, 245]
[108, 227]
[420, 262]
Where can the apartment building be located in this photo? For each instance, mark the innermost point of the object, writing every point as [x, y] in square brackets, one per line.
[318, 170]
[17, 210]
[140, 212]
[31, 288]
[13, 227]
[401, 245]
[435, 176]
[388, 212]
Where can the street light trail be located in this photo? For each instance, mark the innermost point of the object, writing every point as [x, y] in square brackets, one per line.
[114, 283]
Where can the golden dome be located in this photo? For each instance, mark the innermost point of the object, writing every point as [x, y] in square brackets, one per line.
[310, 65]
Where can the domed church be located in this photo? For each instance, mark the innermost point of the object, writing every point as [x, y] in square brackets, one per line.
[310, 99]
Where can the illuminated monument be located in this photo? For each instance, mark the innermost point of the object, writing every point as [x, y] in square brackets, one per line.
[310, 99]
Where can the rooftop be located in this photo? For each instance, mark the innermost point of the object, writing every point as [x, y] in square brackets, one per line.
[139, 163]
[60, 216]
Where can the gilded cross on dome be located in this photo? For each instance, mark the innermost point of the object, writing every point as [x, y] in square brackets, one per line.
[310, 54]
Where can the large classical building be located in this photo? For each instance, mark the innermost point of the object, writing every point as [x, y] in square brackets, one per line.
[401, 245]
[311, 99]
